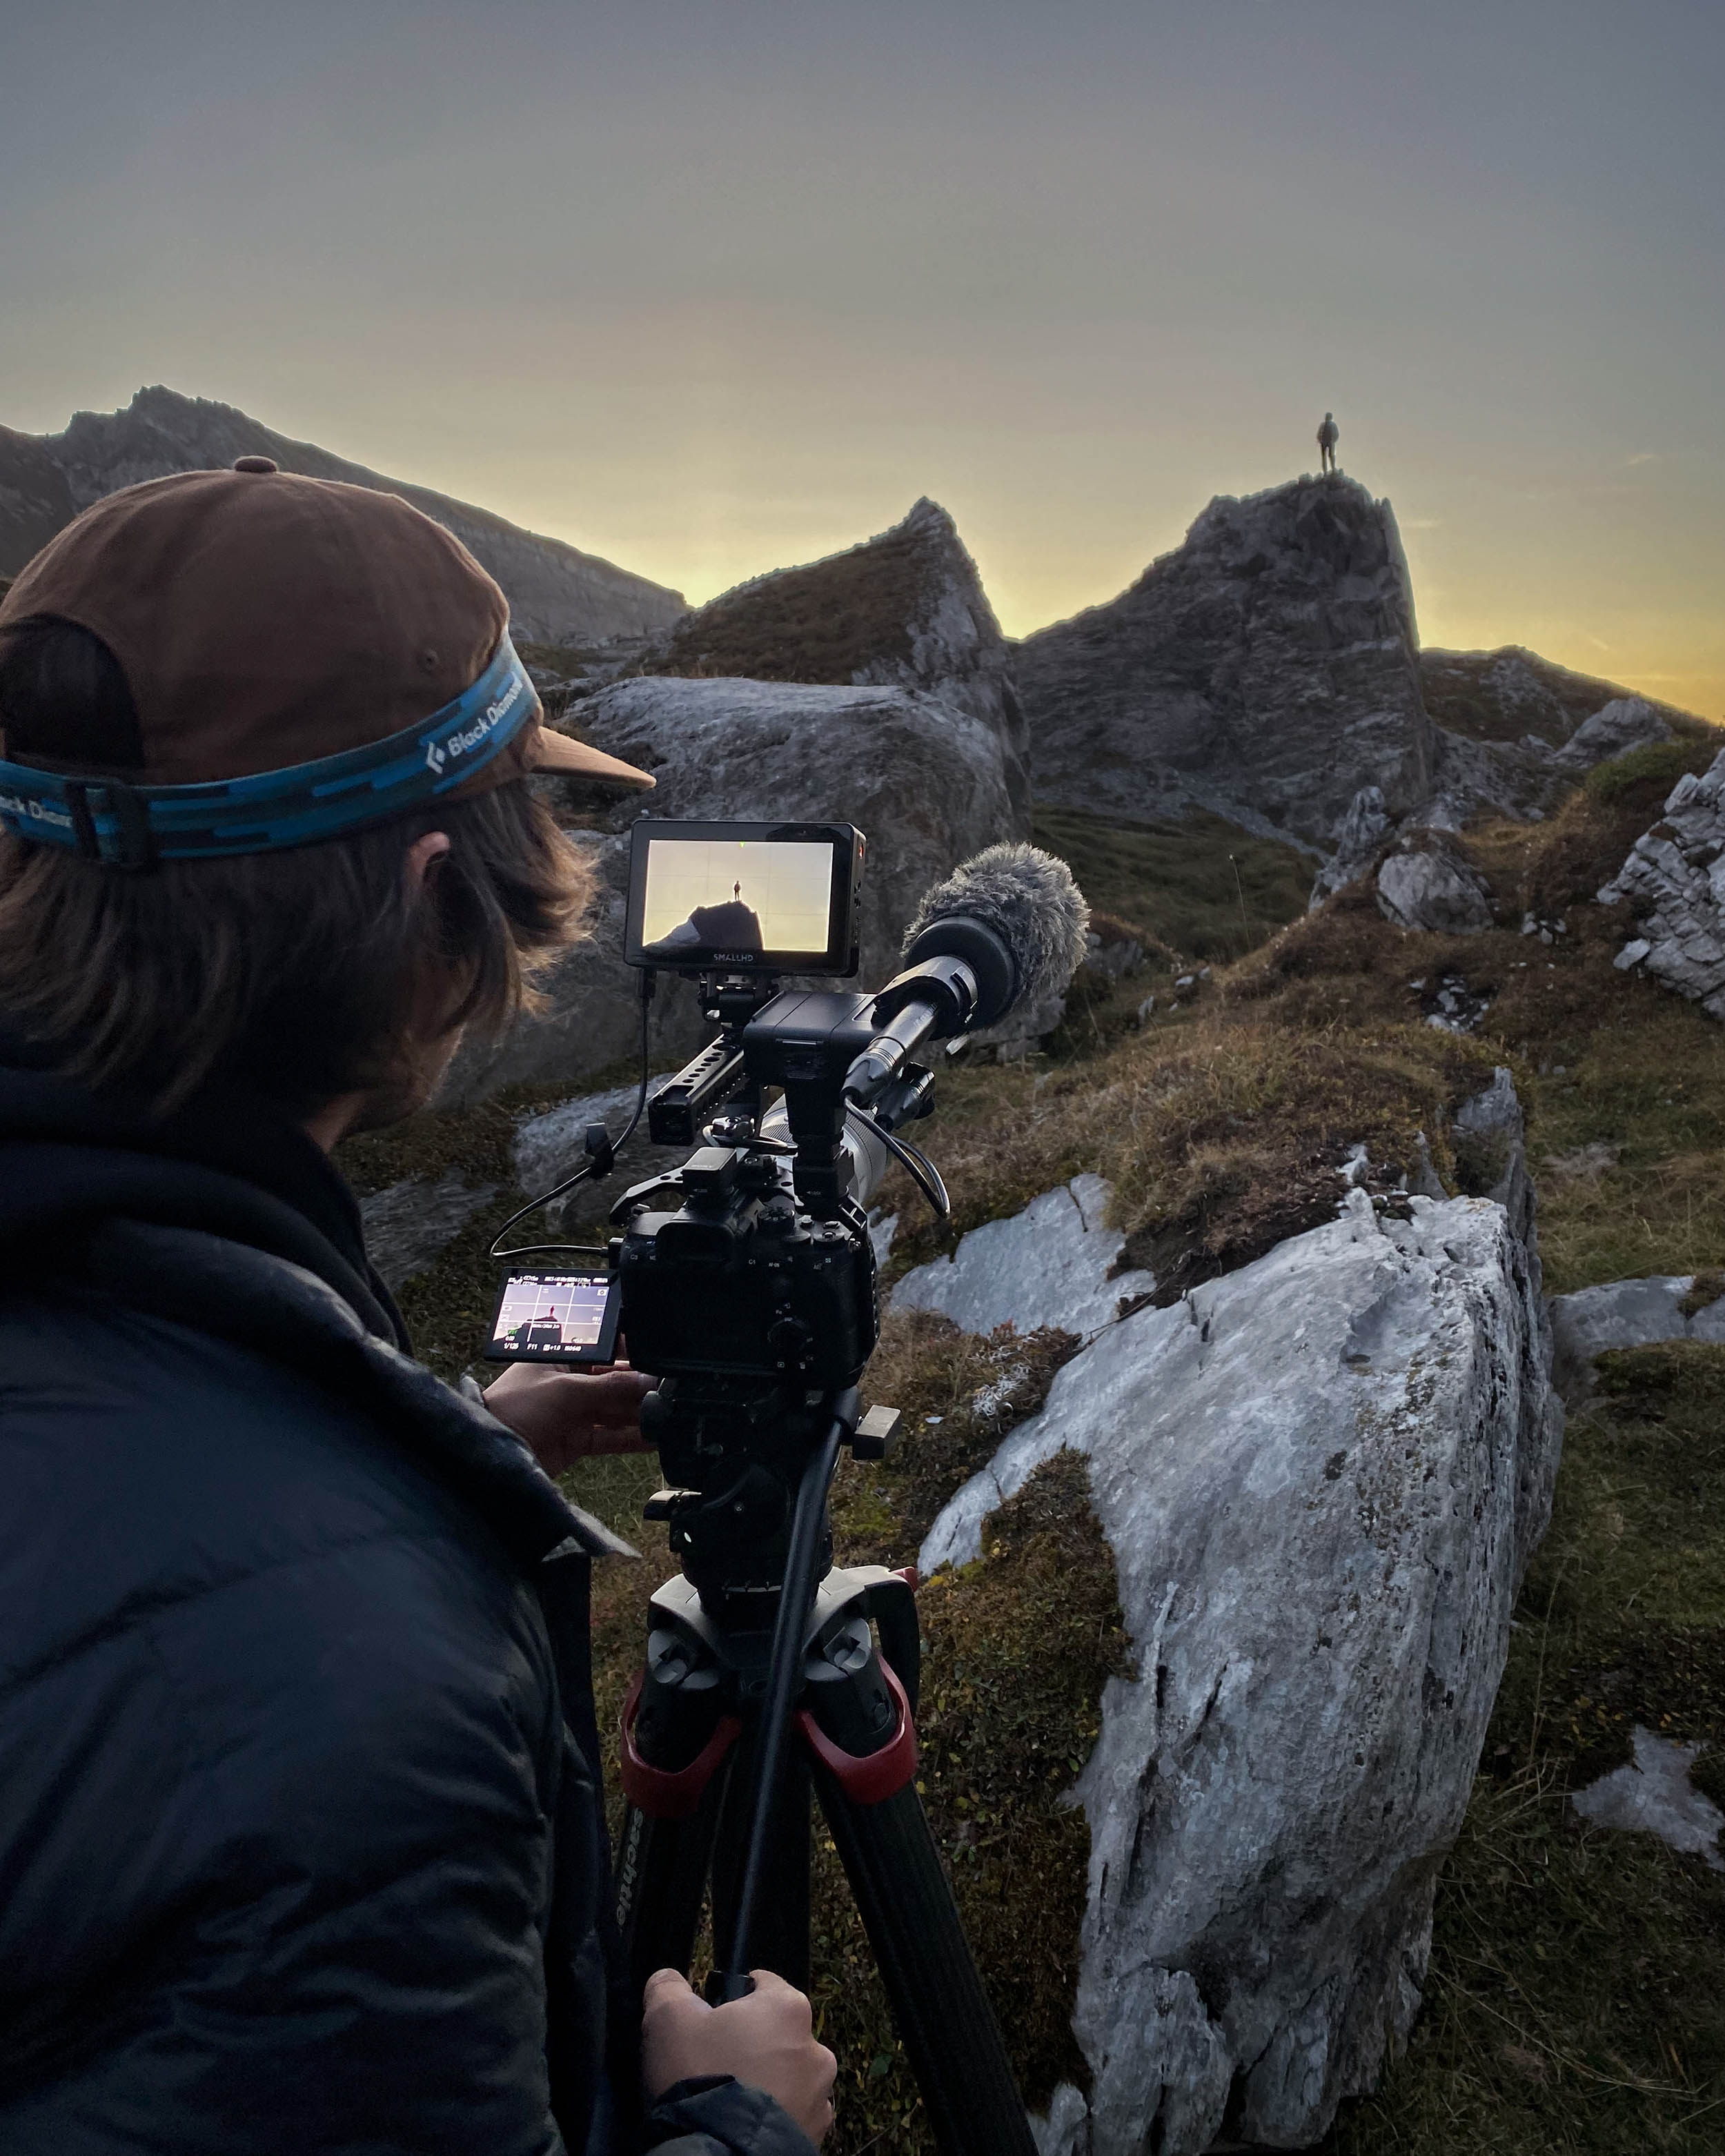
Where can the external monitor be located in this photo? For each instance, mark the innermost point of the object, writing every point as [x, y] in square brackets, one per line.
[729, 898]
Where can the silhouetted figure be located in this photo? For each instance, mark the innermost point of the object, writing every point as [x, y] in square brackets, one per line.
[1328, 434]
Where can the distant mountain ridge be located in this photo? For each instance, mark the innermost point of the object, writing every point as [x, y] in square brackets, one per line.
[557, 592]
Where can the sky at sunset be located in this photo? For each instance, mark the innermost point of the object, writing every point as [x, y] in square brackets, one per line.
[712, 286]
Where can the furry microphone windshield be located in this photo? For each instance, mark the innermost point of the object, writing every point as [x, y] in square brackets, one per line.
[1027, 899]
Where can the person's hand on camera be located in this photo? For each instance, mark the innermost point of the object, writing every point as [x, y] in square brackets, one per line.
[766, 2039]
[567, 1416]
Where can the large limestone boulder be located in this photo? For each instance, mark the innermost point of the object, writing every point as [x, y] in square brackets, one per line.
[1267, 668]
[1673, 885]
[555, 590]
[1322, 1477]
[925, 780]
[905, 609]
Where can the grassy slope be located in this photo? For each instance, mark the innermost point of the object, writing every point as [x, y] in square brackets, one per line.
[1568, 1966]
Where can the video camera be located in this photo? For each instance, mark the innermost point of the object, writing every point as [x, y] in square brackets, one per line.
[745, 1280]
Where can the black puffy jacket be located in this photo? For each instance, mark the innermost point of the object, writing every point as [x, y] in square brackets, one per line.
[301, 1847]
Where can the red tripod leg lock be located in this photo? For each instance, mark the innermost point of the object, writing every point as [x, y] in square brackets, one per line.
[878, 1775]
[653, 1790]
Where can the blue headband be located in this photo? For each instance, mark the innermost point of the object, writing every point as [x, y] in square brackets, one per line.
[108, 819]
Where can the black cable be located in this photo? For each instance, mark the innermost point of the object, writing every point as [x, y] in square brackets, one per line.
[796, 1597]
[921, 1169]
[581, 1174]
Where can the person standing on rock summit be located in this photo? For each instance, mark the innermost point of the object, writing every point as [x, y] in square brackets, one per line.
[1328, 434]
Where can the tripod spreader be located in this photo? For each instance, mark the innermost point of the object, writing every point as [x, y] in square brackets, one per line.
[688, 1655]
[691, 1760]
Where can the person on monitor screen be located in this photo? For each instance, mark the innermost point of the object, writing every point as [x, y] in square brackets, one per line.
[300, 1821]
[1328, 434]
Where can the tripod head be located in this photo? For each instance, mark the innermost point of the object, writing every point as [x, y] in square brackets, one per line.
[747, 1276]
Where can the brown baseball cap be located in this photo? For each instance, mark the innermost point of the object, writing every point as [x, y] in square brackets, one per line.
[266, 622]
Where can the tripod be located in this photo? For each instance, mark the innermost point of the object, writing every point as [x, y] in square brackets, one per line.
[758, 1636]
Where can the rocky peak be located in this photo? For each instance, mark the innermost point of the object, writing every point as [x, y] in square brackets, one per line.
[905, 609]
[555, 591]
[1267, 669]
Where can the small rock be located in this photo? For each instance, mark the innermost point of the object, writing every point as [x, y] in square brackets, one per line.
[1656, 1796]
[1632, 954]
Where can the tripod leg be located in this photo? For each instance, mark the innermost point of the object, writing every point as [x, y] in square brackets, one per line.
[678, 1749]
[858, 1727]
[661, 1881]
[943, 2016]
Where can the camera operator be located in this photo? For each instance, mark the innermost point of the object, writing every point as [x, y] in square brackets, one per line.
[301, 1838]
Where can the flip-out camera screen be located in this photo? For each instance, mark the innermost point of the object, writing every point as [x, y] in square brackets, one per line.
[555, 1317]
[743, 897]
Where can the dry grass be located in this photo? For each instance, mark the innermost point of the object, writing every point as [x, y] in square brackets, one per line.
[827, 621]
[1222, 1127]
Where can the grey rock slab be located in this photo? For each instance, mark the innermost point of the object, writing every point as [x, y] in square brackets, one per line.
[1627, 1313]
[549, 1147]
[1322, 1477]
[408, 1224]
[923, 779]
[1655, 1796]
[1046, 1265]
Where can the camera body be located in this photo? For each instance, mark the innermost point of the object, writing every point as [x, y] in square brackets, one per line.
[753, 1258]
[740, 1280]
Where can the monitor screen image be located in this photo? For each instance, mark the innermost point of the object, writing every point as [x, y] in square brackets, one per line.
[551, 1313]
[740, 894]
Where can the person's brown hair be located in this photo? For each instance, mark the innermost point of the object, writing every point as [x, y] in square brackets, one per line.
[295, 974]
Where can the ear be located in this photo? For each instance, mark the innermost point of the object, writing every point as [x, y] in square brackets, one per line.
[423, 851]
